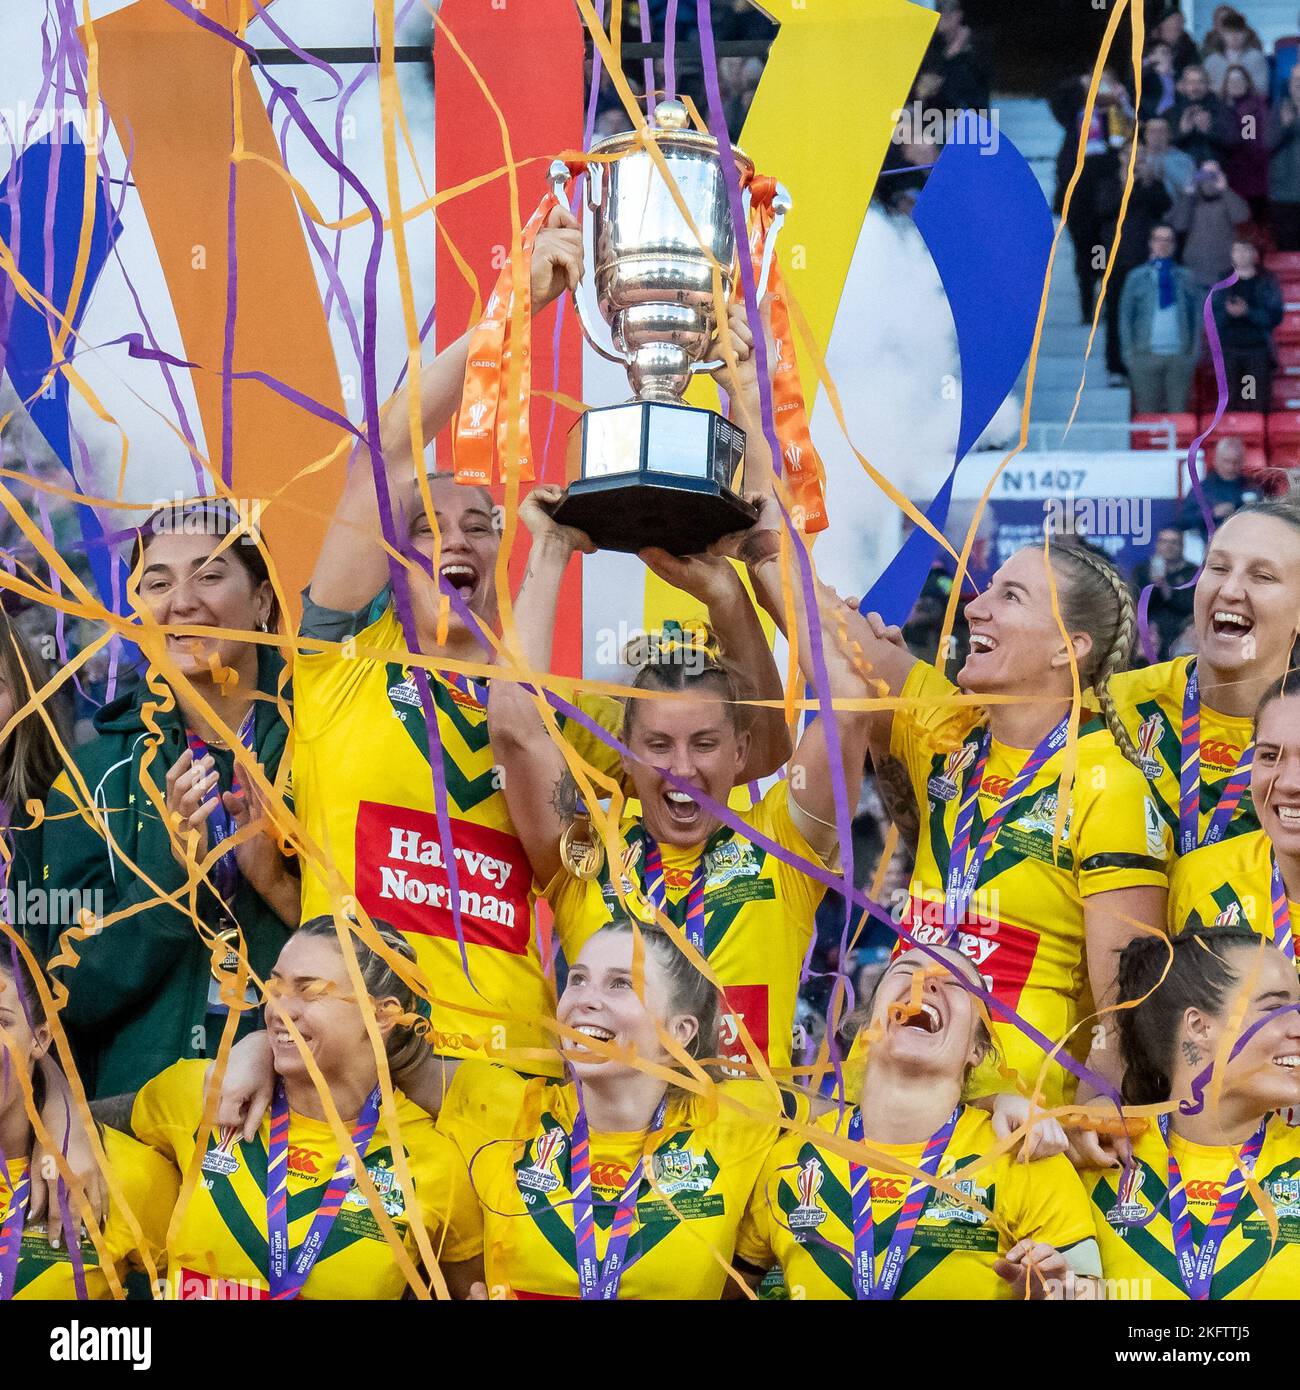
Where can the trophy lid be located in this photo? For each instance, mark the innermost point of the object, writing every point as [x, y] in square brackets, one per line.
[671, 131]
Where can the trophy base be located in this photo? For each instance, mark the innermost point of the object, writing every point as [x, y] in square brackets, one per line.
[651, 474]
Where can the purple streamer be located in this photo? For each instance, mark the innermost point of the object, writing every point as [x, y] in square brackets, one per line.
[1149, 648]
[670, 50]
[643, 13]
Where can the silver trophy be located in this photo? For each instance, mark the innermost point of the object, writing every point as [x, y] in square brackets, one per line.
[655, 471]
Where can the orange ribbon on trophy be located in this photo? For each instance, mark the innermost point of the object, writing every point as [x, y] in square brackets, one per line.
[804, 474]
[482, 423]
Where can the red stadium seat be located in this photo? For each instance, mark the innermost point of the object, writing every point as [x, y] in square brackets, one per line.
[1284, 439]
[1288, 359]
[1286, 393]
[1290, 293]
[1283, 263]
[1151, 431]
[1246, 425]
[1288, 331]
[1256, 460]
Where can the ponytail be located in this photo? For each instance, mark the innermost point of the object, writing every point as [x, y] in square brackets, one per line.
[1162, 977]
[1096, 600]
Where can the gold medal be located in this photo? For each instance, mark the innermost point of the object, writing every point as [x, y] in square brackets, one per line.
[582, 853]
[228, 962]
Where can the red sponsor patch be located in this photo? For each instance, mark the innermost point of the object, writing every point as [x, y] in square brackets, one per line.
[1004, 954]
[888, 1189]
[747, 1003]
[610, 1177]
[192, 1287]
[304, 1160]
[401, 877]
[1219, 753]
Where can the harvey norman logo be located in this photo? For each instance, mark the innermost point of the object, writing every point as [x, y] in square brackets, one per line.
[401, 876]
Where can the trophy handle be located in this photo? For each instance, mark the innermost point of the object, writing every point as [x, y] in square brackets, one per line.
[780, 206]
[559, 176]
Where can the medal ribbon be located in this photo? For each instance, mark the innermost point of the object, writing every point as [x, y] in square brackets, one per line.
[11, 1235]
[1189, 777]
[287, 1270]
[484, 418]
[865, 1283]
[221, 824]
[1282, 937]
[963, 866]
[657, 893]
[597, 1279]
[803, 470]
[1196, 1267]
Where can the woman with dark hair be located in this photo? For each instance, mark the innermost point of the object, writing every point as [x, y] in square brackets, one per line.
[34, 1262]
[637, 1134]
[166, 881]
[1245, 127]
[1253, 880]
[979, 1225]
[1210, 1037]
[282, 1214]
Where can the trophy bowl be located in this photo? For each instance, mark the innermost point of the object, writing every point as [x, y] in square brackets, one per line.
[654, 471]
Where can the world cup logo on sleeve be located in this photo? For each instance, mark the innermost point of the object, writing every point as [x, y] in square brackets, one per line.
[1148, 733]
[220, 1158]
[945, 786]
[808, 1215]
[538, 1176]
[1128, 1210]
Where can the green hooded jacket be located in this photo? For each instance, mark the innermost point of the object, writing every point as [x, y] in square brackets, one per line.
[138, 995]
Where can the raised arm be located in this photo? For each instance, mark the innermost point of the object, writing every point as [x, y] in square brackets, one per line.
[353, 567]
[538, 786]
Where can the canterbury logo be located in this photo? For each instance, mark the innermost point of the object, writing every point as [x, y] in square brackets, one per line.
[476, 413]
[610, 1175]
[1203, 1191]
[996, 787]
[304, 1160]
[888, 1189]
[1220, 753]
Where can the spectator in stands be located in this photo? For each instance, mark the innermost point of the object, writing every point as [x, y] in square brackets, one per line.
[1170, 576]
[1207, 215]
[1284, 167]
[1159, 82]
[1245, 137]
[1223, 484]
[1160, 328]
[955, 60]
[1095, 202]
[1246, 314]
[1174, 167]
[1149, 202]
[1172, 30]
[1234, 44]
[1198, 117]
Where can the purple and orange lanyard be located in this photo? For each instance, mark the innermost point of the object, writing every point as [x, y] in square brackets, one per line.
[600, 1279]
[1282, 937]
[287, 1270]
[866, 1283]
[222, 825]
[656, 892]
[964, 866]
[1189, 777]
[1196, 1267]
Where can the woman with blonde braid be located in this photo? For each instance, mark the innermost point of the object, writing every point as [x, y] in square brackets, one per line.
[1039, 855]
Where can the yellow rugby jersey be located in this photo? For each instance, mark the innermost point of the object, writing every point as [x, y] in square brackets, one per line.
[220, 1248]
[1227, 884]
[696, 1184]
[150, 1184]
[1150, 703]
[1024, 925]
[758, 917]
[801, 1214]
[1138, 1260]
[363, 787]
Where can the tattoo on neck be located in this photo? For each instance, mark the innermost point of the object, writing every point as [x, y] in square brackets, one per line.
[1191, 1052]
